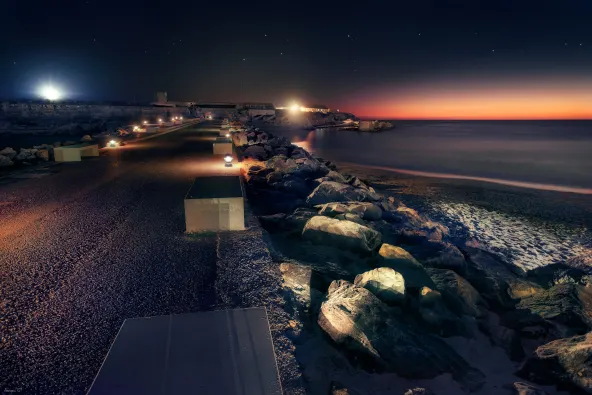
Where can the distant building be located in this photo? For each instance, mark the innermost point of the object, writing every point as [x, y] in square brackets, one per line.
[216, 110]
[315, 108]
[161, 97]
[255, 109]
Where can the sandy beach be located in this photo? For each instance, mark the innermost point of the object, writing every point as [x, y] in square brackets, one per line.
[529, 227]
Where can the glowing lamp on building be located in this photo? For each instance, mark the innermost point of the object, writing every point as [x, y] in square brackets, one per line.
[228, 160]
[112, 144]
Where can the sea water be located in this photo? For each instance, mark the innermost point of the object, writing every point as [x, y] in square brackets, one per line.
[552, 153]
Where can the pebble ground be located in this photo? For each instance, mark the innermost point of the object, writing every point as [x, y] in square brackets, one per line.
[96, 243]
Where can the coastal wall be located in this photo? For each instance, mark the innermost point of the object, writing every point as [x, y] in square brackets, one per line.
[21, 117]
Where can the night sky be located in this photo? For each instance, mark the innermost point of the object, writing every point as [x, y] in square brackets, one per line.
[400, 59]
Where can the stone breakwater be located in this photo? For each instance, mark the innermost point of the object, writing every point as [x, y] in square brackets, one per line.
[389, 290]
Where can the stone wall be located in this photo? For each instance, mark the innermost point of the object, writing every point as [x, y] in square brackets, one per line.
[21, 117]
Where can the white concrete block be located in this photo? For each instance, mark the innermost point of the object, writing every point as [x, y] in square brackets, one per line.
[215, 203]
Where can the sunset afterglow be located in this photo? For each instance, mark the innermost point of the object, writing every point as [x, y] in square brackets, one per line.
[481, 101]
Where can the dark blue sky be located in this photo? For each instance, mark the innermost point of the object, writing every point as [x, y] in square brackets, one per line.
[338, 53]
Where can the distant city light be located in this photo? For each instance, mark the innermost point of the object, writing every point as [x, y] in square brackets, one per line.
[50, 92]
[145, 122]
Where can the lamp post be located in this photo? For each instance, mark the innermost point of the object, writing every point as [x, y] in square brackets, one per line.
[227, 160]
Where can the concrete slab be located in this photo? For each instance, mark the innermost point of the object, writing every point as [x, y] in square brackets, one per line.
[215, 203]
[222, 147]
[74, 153]
[217, 352]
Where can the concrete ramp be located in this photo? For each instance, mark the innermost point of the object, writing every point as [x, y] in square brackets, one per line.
[219, 352]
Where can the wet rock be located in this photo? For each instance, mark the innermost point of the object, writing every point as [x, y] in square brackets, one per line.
[458, 293]
[563, 362]
[357, 320]
[330, 191]
[5, 161]
[365, 210]
[402, 262]
[8, 152]
[385, 283]
[341, 234]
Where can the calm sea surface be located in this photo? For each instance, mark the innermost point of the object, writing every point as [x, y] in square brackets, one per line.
[545, 152]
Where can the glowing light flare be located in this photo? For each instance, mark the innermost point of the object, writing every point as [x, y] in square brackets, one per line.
[295, 107]
[228, 159]
[50, 92]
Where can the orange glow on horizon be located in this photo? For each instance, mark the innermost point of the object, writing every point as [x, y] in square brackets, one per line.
[483, 103]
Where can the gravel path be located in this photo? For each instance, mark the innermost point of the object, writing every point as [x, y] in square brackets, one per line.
[90, 246]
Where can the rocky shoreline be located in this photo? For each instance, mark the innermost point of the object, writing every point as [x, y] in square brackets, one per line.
[388, 292]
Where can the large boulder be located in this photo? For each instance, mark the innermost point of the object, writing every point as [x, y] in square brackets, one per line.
[281, 164]
[402, 262]
[26, 154]
[341, 234]
[436, 316]
[8, 152]
[42, 154]
[458, 293]
[519, 388]
[418, 391]
[356, 319]
[365, 210]
[385, 283]
[330, 191]
[501, 287]
[310, 168]
[298, 219]
[256, 152]
[335, 176]
[568, 307]
[563, 362]
[5, 161]
[303, 285]
[446, 256]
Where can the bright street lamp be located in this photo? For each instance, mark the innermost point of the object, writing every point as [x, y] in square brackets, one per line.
[50, 92]
[228, 159]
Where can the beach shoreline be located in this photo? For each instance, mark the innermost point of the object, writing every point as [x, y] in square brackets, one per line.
[529, 227]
